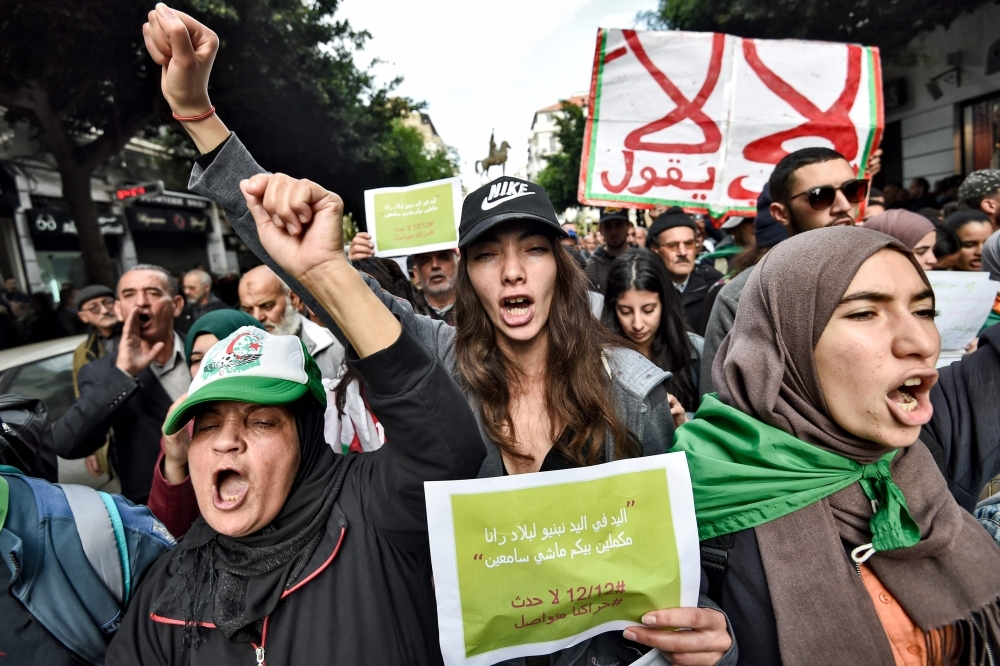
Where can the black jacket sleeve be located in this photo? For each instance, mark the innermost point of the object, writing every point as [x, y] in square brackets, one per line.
[84, 427]
[964, 433]
[431, 435]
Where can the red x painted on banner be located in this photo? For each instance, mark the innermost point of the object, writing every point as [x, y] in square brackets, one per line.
[685, 108]
[833, 124]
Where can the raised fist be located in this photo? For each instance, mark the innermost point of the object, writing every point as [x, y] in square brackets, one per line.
[300, 224]
[185, 49]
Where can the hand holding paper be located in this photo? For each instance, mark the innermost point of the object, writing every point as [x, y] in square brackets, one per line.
[534, 563]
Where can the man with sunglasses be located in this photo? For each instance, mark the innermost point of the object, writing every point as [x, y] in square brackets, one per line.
[814, 188]
[810, 189]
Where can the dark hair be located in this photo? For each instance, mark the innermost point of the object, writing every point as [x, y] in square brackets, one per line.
[946, 243]
[959, 219]
[578, 390]
[922, 182]
[391, 278]
[781, 178]
[671, 349]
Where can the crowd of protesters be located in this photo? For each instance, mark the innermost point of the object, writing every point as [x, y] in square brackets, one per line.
[272, 441]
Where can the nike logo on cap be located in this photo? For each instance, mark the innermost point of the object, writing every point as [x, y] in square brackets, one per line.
[503, 192]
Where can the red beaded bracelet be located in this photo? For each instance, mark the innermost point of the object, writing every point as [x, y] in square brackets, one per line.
[191, 119]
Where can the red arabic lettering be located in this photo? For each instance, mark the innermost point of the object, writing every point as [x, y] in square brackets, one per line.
[737, 191]
[685, 108]
[834, 124]
[674, 177]
[617, 189]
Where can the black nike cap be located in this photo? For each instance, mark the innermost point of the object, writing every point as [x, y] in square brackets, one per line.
[502, 200]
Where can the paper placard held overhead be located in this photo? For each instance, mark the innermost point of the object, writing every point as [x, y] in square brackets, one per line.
[964, 300]
[699, 120]
[414, 219]
[533, 563]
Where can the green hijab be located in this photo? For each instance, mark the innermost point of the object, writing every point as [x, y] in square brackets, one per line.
[221, 324]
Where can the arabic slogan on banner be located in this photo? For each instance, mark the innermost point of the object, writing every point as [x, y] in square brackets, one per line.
[533, 563]
[414, 219]
[699, 120]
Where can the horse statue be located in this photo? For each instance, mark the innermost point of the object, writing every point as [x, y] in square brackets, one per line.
[497, 156]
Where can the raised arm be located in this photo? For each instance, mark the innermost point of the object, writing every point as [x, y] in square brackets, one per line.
[186, 50]
[432, 433]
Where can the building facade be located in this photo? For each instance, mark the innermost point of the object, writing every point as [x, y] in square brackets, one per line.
[39, 245]
[942, 113]
[542, 139]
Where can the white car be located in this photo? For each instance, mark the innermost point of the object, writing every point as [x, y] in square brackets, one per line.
[44, 370]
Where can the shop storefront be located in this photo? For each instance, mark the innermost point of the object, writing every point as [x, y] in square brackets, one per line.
[174, 235]
[57, 246]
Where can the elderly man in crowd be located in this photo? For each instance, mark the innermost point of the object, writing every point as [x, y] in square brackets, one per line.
[433, 273]
[267, 299]
[197, 286]
[95, 307]
[128, 394]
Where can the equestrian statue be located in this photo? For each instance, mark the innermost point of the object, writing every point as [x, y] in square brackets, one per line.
[498, 156]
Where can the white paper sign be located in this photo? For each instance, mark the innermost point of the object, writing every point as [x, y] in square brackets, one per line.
[534, 563]
[414, 219]
[964, 300]
[699, 120]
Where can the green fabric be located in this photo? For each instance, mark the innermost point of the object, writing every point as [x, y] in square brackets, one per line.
[5, 491]
[746, 473]
[221, 324]
[994, 318]
[722, 252]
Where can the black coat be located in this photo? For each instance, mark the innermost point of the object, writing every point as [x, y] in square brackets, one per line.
[700, 281]
[964, 437]
[133, 409]
[366, 596]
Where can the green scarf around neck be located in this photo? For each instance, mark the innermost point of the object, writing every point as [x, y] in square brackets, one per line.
[746, 473]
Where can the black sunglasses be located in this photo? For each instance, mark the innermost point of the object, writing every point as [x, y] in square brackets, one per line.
[822, 197]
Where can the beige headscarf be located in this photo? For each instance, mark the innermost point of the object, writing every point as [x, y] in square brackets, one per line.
[905, 226]
[766, 368]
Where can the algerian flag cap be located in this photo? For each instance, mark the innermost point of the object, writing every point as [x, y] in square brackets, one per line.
[251, 365]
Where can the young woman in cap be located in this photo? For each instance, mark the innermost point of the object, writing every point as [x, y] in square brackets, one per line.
[293, 538]
[814, 483]
[550, 387]
[641, 305]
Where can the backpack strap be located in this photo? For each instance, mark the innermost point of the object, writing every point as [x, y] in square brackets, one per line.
[102, 540]
[4, 500]
[715, 561]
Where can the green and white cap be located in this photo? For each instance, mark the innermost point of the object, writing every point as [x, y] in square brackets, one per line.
[253, 366]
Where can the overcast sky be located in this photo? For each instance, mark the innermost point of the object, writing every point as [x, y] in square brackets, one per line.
[481, 66]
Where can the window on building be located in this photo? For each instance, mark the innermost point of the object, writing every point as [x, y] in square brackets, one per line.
[892, 156]
[981, 134]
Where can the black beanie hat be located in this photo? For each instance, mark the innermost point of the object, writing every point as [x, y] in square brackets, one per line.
[670, 218]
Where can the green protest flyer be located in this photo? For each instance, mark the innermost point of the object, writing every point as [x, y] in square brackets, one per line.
[533, 563]
[414, 219]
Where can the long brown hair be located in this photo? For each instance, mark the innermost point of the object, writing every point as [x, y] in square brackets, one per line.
[578, 390]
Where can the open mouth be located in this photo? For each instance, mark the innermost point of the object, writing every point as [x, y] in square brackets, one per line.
[144, 318]
[229, 489]
[910, 402]
[517, 310]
